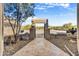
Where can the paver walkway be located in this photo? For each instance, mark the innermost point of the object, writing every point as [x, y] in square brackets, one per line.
[40, 47]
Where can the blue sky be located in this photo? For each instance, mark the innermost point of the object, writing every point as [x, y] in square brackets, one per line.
[57, 14]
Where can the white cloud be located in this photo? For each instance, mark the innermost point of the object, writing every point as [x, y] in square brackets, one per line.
[28, 21]
[65, 5]
[40, 8]
[50, 5]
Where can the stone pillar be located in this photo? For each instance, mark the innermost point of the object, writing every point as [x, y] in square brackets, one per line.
[45, 27]
[46, 30]
[78, 27]
[32, 32]
[46, 24]
[1, 28]
[47, 34]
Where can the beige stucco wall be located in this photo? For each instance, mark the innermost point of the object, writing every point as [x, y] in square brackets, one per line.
[1, 45]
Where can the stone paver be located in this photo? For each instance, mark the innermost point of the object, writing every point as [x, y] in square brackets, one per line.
[40, 47]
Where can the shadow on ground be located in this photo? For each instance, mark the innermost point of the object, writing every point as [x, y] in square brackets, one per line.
[13, 48]
[62, 40]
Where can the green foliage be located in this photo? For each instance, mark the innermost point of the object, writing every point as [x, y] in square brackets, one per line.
[40, 27]
[64, 27]
[27, 27]
[56, 28]
[19, 11]
[27, 9]
[67, 26]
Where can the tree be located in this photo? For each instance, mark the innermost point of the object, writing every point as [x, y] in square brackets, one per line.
[68, 26]
[18, 13]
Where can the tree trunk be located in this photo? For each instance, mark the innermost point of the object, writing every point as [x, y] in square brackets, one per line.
[13, 29]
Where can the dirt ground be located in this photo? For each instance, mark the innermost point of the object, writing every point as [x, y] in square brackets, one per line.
[59, 41]
[40, 47]
[62, 40]
[11, 49]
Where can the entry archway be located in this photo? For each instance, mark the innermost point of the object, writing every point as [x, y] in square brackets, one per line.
[46, 29]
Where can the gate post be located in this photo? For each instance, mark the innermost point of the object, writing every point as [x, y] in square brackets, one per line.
[78, 27]
[32, 32]
[45, 27]
[48, 33]
[46, 30]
